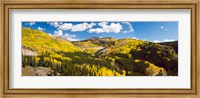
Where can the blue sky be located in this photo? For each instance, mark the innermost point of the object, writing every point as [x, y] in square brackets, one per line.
[74, 31]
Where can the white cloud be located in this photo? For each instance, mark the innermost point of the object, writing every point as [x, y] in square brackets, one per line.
[165, 40]
[91, 25]
[55, 24]
[50, 34]
[104, 27]
[103, 24]
[41, 29]
[168, 40]
[79, 27]
[70, 37]
[130, 28]
[58, 33]
[156, 41]
[30, 23]
[135, 38]
[116, 28]
[162, 27]
[126, 32]
[97, 30]
[82, 26]
[65, 26]
[113, 27]
[74, 28]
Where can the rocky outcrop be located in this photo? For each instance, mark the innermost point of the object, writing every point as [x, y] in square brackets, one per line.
[27, 52]
[37, 71]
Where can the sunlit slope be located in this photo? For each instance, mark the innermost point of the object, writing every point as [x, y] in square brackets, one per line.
[94, 44]
[124, 51]
[98, 56]
[40, 42]
[121, 47]
[124, 46]
[62, 57]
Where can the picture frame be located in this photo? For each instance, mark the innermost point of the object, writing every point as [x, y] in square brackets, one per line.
[193, 5]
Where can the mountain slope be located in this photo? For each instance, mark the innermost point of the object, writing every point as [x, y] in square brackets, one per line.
[41, 42]
[160, 55]
[124, 51]
[61, 57]
[94, 44]
[109, 57]
[124, 46]
[121, 47]
[172, 44]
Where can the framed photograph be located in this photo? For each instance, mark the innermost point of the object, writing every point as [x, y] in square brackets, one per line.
[100, 48]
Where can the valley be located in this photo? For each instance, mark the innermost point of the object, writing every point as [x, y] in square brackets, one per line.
[55, 56]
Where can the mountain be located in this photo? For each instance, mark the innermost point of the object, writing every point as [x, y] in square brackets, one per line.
[60, 57]
[101, 41]
[94, 44]
[126, 50]
[41, 42]
[160, 55]
[121, 47]
[124, 46]
[173, 44]
[95, 56]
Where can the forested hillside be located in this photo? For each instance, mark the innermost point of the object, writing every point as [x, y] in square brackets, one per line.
[97, 56]
[42, 42]
[172, 44]
[94, 44]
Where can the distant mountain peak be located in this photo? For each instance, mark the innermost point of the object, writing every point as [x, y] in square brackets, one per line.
[94, 38]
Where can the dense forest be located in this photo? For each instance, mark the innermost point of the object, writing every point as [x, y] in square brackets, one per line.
[98, 56]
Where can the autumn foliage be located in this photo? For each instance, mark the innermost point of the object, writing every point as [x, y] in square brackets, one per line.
[98, 57]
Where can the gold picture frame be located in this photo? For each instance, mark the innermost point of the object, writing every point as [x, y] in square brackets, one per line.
[193, 5]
